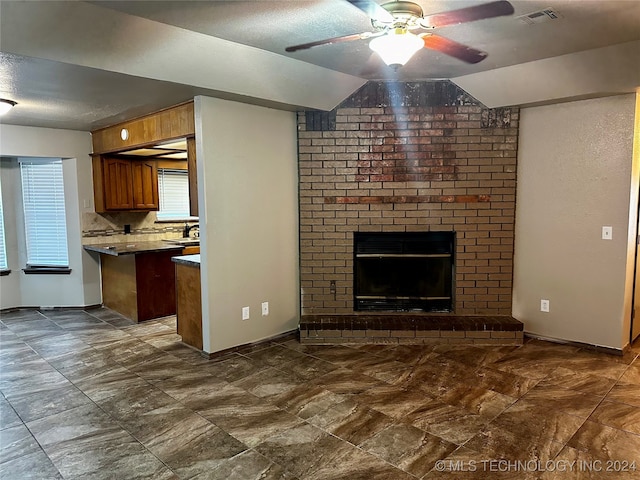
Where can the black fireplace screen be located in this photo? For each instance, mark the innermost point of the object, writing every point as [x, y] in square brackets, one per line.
[404, 271]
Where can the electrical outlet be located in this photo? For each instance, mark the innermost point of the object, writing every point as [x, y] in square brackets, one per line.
[544, 306]
[245, 313]
[607, 233]
[265, 309]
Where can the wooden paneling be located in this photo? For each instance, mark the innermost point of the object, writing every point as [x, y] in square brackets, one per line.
[193, 176]
[171, 164]
[119, 290]
[189, 305]
[145, 185]
[168, 124]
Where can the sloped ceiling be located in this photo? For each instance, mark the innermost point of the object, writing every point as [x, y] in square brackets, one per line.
[83, 65]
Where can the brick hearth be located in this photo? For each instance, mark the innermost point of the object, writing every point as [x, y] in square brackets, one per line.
[410, 329]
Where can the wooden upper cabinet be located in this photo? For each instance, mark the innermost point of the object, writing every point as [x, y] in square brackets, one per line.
[145, 185]
[118, 184]
[123, 184]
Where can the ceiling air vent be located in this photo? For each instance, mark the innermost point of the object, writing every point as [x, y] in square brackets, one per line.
[541, 16]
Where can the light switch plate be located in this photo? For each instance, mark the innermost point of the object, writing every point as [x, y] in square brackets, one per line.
[245, 313]
[607, 233]
[544, 306]
[265, 309]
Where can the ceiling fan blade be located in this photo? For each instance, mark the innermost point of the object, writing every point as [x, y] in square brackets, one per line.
[453, 49]
[469, 14]
[327, 41]
[372, 9]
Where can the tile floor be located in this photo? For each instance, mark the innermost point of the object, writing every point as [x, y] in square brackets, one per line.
[88, 394]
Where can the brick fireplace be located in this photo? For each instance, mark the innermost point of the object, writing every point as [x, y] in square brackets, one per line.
[408, 157]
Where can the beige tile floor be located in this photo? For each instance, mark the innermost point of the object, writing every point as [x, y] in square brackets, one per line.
[90, 395]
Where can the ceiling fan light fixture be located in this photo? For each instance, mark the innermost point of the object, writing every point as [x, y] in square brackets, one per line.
[6, 105]
[397, 47]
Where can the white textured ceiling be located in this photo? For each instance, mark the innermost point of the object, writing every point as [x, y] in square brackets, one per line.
[274, 25]
[84, 65]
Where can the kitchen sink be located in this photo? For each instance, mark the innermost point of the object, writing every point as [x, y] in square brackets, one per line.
[184, 241]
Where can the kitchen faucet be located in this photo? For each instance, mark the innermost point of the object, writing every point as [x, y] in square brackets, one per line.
[188, 228]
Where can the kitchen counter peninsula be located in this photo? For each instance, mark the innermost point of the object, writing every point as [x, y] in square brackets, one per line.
[138, 278]
[132, 248]
[189, 260]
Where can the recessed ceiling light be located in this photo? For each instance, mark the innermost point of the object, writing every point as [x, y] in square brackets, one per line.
[6, 105]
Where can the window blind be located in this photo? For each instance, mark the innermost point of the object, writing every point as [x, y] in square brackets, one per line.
[3, 245]
[173, 189]
[44, 213]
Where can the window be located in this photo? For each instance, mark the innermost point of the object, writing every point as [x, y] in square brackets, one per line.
[173, 189]
[3, 247]
[44, 214]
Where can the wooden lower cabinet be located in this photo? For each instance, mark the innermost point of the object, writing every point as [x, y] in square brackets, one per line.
[140, 286]
[189, 304]
[191, 250]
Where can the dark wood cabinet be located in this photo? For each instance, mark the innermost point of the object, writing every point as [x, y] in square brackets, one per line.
[122, 184]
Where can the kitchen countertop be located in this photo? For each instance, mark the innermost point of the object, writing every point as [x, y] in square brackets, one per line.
[188, 260]
[117, 249]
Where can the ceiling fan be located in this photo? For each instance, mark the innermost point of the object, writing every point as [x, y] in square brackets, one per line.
[394, 21]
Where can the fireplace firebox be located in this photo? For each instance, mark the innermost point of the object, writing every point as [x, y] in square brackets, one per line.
[403, 272]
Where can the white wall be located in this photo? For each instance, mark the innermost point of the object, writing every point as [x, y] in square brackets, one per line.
[104, 38]
[10, 285]
[575, 176]
[591, 73]
[82, 286]
[248, 205]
